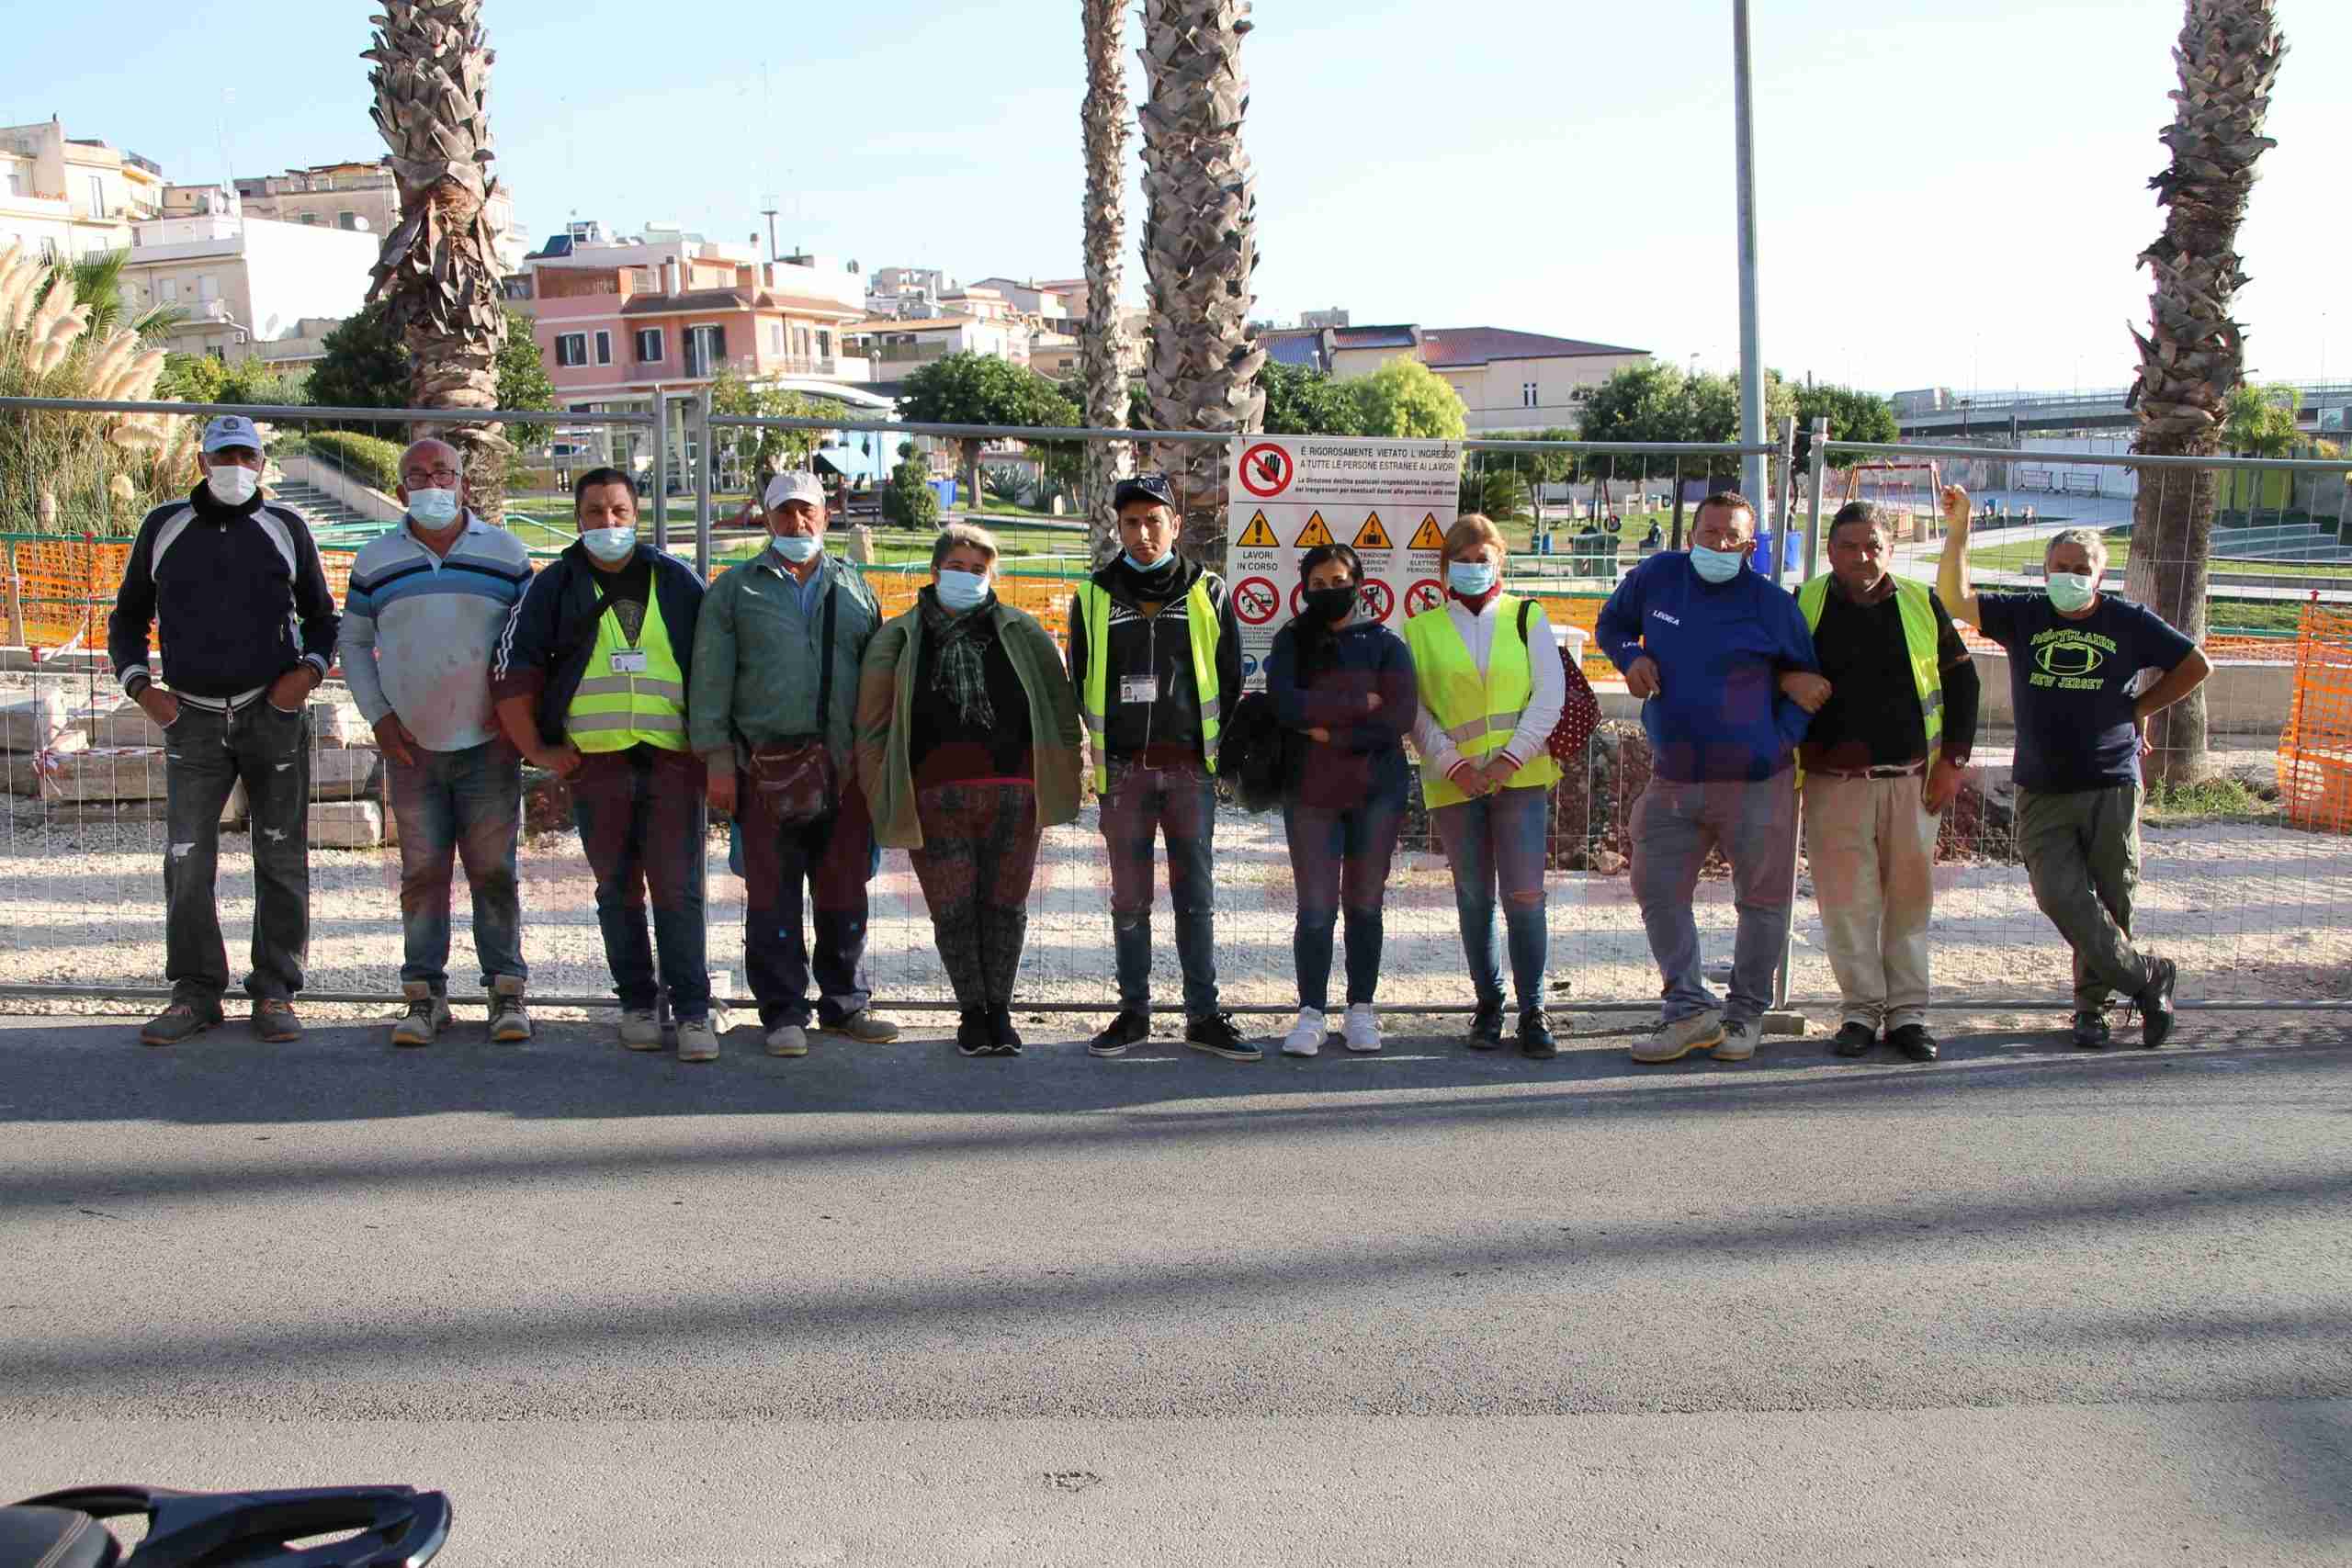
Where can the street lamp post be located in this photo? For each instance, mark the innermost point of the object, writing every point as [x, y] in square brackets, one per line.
[1751, 355]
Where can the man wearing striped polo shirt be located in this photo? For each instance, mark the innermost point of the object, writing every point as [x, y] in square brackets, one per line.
[428, 602]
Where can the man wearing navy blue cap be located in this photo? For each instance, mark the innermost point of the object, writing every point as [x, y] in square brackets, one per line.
[1154, 649]
[231, 581]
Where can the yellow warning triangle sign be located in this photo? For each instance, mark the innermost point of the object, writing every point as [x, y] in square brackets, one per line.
[1371, 536]
[1259, 535]
[1314, 533]
[1426, 536]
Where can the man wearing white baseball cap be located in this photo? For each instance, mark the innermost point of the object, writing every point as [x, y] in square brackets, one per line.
[773, 697]
[231, 581]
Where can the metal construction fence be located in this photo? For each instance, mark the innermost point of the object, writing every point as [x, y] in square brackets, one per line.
[2246, 877]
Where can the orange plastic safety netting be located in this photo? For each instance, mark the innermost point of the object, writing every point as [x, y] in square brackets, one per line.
[2315, 748]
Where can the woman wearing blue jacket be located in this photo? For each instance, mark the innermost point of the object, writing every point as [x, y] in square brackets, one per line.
[1343, 690]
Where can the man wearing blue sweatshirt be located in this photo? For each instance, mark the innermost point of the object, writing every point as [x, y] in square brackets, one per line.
[1726, 670]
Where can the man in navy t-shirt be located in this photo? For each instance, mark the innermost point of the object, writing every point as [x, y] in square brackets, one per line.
[2080, 668]
[1724, 665]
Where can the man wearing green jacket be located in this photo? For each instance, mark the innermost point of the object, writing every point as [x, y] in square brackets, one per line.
[777, 657]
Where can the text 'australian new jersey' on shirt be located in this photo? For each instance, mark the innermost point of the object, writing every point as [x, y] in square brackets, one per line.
[2074, 683]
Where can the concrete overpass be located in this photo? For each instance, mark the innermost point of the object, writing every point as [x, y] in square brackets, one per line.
[2009, 414]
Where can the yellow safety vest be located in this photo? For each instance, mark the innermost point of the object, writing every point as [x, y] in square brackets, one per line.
[1478, 713]
[615, 708]
[1200, 620]
[1918, 642]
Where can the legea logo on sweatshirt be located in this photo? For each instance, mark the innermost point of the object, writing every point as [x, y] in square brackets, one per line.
[1669, 620]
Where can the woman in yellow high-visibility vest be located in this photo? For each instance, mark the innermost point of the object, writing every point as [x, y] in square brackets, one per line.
[1491, 688]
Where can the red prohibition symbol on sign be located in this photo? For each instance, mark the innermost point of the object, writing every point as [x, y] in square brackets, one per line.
[1379, 598]
[1424, 594]
[1266, 470]
[1255, 600]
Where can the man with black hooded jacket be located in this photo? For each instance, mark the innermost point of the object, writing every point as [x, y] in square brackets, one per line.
[1155, 655]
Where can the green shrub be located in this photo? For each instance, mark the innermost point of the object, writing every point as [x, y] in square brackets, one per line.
[910, 502]
[1004, 482]
[368, 458]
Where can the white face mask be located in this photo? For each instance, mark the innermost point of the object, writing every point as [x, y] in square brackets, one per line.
[798, 548]
[609, 544]
[434, 508]
[231, 484]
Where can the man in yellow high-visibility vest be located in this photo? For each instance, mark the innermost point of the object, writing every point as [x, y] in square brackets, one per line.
[590, 682]
[1155, 652]
[1882, 761]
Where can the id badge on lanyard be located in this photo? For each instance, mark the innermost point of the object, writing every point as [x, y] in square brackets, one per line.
[628, 661]
[1138, 688]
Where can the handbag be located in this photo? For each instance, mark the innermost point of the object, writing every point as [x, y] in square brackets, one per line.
[796, 780]
[1252, 751]
[1579, 715]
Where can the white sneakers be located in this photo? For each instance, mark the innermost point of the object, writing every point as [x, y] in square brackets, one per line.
[641, 1030]
[1306, 1036]
[787, 1039]
[1361, 1030]
[697, 1041]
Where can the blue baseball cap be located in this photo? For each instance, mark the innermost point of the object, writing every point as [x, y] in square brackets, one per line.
[231, 430]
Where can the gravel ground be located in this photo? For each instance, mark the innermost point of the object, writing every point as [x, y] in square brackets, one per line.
[2250, 911]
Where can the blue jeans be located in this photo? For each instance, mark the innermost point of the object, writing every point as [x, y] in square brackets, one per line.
[206, 752]
[641, 817]
[1339, 860]
[1179, 803]
[1755, 823]
[460, 805]
[1497, 841]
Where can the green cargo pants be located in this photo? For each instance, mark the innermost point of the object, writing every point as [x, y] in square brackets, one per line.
[2082, 849]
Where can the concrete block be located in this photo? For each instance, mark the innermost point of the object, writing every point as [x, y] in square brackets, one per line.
[346, 825]
[38, 721]
[333, 724]
[345, 773]
[98, 775]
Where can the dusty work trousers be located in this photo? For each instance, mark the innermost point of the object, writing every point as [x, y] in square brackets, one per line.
[1873, 845]
[1755, 822]
[2082, 849]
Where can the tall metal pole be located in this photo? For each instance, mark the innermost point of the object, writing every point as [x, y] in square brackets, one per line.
[1751, 355]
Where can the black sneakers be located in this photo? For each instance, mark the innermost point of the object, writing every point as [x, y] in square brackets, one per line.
[1535, 1036]
[1913, 1041]
[972, 1034]
[1002, 1036]
[1217, 1034]
[2091, 1033]
[1854, 1040]
[2156, 1003]
[181, 1021]
[1485, 1027]
[1119, 1034]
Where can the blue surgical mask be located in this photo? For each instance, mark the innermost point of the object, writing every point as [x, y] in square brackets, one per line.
[434, 508]
[798, 548]
[960, 589]
[1718, 566]
[1470, 578]
[609, 544]
[1151, 566]
[2071, 590]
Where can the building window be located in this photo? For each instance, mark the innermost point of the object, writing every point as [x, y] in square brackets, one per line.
[824, 345]
[208, 287]
[347, 220]
[168, 290]
[603, 348]
[311, 219]
[706, 349]
[571, 349]
[16, 182]
[775, 337]
[1527, 394]
[650, 348]
[97, 196]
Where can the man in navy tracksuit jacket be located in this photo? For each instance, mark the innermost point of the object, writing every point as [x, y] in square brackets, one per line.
[1725, 667]
[232, 583]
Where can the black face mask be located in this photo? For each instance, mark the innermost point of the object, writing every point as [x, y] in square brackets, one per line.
[1328, 604]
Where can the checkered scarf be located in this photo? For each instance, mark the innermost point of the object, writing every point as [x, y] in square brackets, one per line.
[962, 642]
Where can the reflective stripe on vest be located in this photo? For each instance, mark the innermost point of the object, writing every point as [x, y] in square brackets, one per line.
[1200, 623]
[1918, 615]
[612, 711]
[1479, 713]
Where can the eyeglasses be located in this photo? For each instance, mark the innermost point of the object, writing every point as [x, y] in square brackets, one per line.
[441, 477]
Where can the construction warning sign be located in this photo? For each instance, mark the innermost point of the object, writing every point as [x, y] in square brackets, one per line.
[1320, 490]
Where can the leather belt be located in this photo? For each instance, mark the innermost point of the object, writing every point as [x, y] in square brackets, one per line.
[1890, 771]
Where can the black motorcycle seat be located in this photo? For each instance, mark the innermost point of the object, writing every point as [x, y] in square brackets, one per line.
[55, 1538]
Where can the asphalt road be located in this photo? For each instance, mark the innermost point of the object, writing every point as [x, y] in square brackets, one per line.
[885, 1305]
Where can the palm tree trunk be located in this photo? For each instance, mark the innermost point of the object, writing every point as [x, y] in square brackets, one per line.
[1101, 345]
[1200, 245]
[2193, 355]
[438, 268]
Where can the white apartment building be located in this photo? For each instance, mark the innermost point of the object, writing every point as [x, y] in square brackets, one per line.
[242, 284]
[67, 198]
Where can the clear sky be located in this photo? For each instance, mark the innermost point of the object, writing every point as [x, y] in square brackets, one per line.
[1950, 193]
